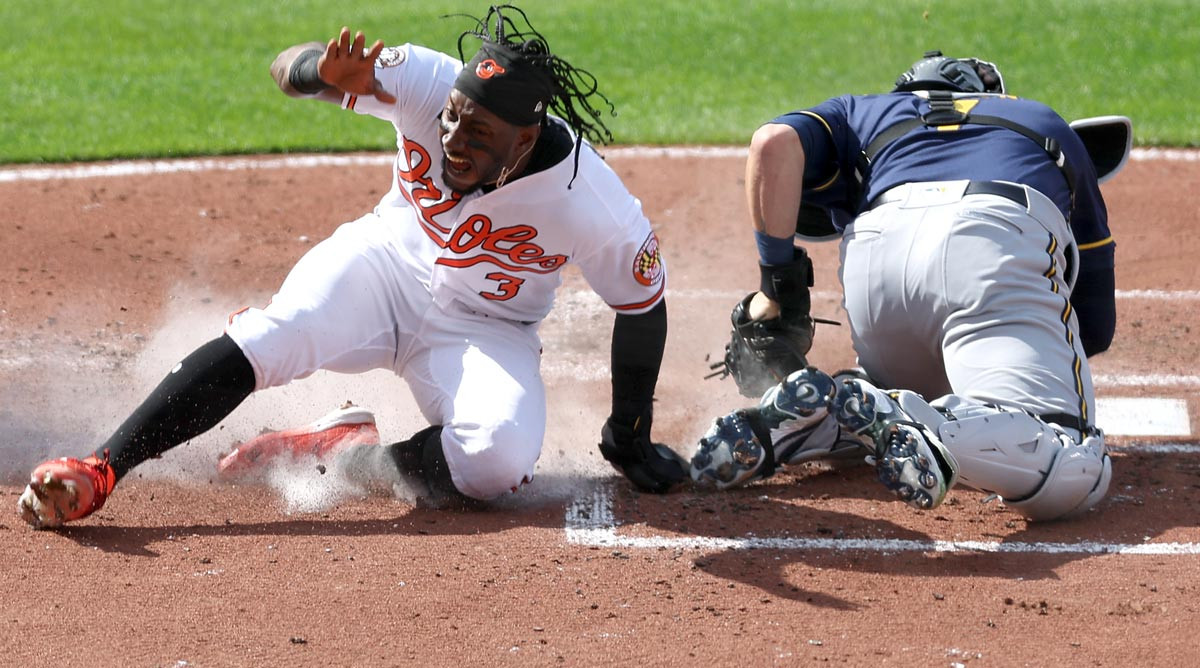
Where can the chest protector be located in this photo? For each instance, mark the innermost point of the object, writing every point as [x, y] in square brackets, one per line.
[945, 112]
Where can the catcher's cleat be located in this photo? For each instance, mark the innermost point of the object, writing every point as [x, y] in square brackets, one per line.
[66, 489]
[338, 431]
[731, 454]
[795, 411]
[788, 426]
[910, 459]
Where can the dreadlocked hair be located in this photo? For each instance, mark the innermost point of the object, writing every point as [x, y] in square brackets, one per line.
[573, 87]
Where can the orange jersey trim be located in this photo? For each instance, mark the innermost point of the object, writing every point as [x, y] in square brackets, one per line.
[236, 314]
[641, 305]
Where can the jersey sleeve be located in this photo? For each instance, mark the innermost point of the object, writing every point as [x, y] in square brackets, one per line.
[628, 272]
[622, 262]
[418, 77]
[829, 200]
[815, 127]
[1089, 214]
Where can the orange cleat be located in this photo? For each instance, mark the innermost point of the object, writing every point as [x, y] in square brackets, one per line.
[66, 489]
[338, 431]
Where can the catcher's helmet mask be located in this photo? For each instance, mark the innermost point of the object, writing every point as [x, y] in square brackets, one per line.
[963, 75]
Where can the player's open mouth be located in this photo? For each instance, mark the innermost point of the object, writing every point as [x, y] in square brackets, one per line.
[456, 166]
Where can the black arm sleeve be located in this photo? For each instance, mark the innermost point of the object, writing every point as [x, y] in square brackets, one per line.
[303, 75]
[197, 394]
[637, 350]
[1094, 300]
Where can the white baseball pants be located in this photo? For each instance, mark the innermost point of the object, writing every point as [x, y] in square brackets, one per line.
[360, 300]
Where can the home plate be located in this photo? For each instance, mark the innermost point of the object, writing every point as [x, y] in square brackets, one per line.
[1143, 417]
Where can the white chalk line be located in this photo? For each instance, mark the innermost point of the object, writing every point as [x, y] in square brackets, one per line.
[145, 167]
[1168, 295]
[1160, 448]
[185, 165]
[591, 522]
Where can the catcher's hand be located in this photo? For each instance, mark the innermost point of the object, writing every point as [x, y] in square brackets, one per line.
[761, 353]
[651, 467]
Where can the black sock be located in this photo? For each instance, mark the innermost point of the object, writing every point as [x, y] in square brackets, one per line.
[422, 457]
[197, 394]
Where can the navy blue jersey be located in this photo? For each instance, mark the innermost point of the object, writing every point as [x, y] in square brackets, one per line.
[835, 132]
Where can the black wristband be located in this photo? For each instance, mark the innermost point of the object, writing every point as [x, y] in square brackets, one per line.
[788, 284]
[304, 77]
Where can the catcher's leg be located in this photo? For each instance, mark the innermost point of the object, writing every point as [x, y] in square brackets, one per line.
[790, 424]
[921, 450]
[910, 459]
[1041, 470]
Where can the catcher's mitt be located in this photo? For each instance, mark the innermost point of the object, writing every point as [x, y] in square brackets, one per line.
[761, 353]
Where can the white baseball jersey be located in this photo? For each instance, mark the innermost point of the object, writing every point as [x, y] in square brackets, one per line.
[500, 253]
[447, 290]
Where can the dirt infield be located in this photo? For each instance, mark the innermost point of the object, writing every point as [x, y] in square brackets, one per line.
[108, 279]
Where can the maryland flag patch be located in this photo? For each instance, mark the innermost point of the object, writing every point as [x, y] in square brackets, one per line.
[647, 264]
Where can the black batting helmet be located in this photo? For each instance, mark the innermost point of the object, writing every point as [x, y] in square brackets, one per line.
[938, 72]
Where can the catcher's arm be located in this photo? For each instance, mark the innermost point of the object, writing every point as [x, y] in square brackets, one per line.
[774, 186]
[774, 180]
[637, 349]
[773, 328]
[1094, 299]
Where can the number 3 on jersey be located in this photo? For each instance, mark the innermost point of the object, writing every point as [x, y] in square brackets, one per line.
[506, 288]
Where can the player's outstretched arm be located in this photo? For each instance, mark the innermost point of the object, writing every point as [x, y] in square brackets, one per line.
[295, 72]
[327, 71]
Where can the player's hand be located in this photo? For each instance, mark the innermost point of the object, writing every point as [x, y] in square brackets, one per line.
[763, 307]
[651, 467]
[346, 65]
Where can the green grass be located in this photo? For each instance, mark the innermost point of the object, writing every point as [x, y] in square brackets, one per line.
[95, 79]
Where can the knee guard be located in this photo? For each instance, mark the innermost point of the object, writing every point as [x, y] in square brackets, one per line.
[1038, 471]
[1078, 479]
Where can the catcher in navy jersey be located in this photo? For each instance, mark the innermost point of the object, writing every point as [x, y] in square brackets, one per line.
[977, 269]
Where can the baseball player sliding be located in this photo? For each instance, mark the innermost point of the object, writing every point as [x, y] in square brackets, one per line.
[977, 269]
[494, 190]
